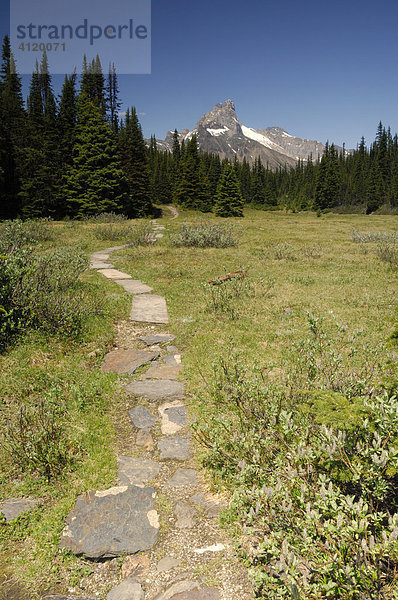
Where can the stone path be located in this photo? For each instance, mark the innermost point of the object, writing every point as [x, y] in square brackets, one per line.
[160, 518]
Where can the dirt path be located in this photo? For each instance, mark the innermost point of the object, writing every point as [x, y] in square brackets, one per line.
[173, 210]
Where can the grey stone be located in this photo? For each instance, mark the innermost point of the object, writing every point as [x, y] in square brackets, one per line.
[172, 360]
[178, 588]
[212, 508]
[13, 507]
[129, 589]
[183, 477]
[157, 371]
[62, 597]
[158, 236]
[156, 338]
[174, 417]
[127, 361]
[167, 563]
[175, 448]
[148, 308]
[101, 265]
[184, 515]
[99, 257]
[144, 439]
[121, 520]
[203, 594]
[134, 286]
[157, 390]
[136, 471]
[114, 274]
[142, 417]
[172, 349]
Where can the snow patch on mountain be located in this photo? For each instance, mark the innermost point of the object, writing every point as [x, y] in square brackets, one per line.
[258, 137]
[217, 132]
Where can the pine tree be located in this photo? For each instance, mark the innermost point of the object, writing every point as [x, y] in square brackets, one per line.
[112, 90]
[375, 188]
[41, 179]
[229, 200]
[187, 190]
[93, 83]
[135, 162]
[95, 182]
[13, 121]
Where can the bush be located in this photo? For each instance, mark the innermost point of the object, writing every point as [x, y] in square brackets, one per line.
[388, 252]
[106, 217]
[36, 435]
[133, 235]
[206, 235]
[377, 236]
[284, 250]
[39, 291]
[318, 502]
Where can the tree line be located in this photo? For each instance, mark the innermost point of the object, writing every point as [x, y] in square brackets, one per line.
[73, 156]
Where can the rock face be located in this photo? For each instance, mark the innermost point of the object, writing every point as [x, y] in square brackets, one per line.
[221, 132]
[117, 521]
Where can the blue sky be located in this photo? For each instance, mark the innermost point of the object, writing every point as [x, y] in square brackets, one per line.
[320, 69]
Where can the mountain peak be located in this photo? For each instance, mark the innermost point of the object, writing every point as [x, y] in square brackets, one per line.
[222, 118]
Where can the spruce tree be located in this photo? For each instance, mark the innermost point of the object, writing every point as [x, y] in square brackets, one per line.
[12, 135]
[95, 182]
[187, 190]
[113, 104]
[135, 163]
[229, 200]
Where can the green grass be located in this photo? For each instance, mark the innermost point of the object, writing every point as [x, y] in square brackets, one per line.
[323, 273]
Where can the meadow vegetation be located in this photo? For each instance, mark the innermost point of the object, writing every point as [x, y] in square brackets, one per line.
[291, 370]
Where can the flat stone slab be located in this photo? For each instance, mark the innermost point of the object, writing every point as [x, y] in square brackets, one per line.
[62, 597]
[167, 563]
[100, 257]
[162, 372]
[172, 360]
[175, 448]
[136, 471]
[178, 588]
[148, 308]
[203, 594]
[101, 265]
[114, 274]
[174, 417]
[211, 507]
[127, 361]
[157, 390]
[183, 477]
[13, 507]
[144, 439]
[121, 520]
[142, 417]
[134, 286]
[156, 338]
[185, 515]
[129, 589]
[158, 236]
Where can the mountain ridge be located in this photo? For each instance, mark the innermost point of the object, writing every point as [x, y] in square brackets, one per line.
[220, 131]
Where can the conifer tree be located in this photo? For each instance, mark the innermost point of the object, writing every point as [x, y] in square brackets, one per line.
[95, 182]
[13, 121]
[135, 163]
[229, 200]
[187, 190]
[112, 90]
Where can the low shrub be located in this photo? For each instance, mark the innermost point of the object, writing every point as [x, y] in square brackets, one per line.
[106, 217]
[40, 291]
[139, 234]
[318, 502]
[284, 250]
[388, 252]
[376, 236]
[206, 235]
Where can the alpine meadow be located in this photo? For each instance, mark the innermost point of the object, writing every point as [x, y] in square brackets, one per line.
[198, 340]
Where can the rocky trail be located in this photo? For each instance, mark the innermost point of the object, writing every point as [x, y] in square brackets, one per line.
[155, 535]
